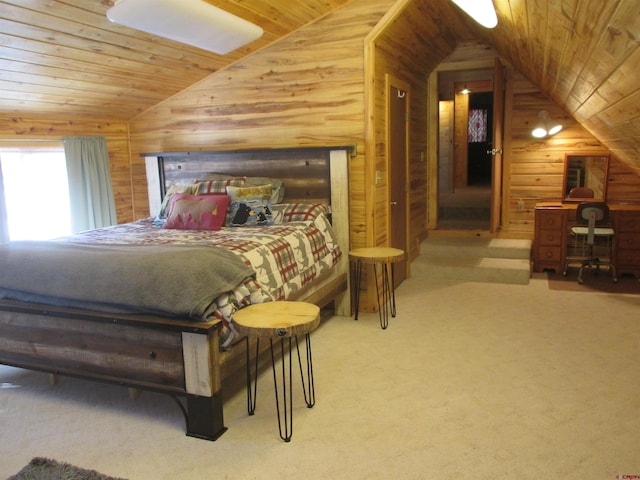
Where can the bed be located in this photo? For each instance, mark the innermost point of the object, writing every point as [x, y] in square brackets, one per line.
[189, 355]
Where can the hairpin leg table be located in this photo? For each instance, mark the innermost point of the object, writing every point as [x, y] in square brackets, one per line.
[385, 257]
[284, 321]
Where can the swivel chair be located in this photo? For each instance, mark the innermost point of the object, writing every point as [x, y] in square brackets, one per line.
[593, 231]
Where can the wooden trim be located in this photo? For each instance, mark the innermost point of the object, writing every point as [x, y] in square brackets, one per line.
[432, 153]
[352, 148]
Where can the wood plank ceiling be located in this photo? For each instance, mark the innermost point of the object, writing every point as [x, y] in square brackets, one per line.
[64, 58]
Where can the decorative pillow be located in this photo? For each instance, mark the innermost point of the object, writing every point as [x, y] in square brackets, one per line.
[277, 186]
[298, 212]
[218, 186]
[173, 189]
[277, 193]
[250, 206]
[197, 212]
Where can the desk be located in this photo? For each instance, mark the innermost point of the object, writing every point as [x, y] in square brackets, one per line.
[553, 221]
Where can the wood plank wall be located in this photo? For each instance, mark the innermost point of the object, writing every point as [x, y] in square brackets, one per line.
[304, 90]
[396, 50]
[26, 131]
[537, 165]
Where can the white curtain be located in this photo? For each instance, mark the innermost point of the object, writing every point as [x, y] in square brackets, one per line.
[4, 226]
[90, 191]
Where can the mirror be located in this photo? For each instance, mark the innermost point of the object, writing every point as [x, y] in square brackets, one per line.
[585, 177]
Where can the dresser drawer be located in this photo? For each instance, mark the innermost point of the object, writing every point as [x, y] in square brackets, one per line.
[550, 254]
[628, 241]
[550, 220]
[628, 222]
[549, 237]
[628, 258]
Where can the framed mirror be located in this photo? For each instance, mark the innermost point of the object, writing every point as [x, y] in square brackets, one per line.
[585, 177]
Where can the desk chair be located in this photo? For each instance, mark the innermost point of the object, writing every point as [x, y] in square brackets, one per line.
[581, 192]
[592, 231]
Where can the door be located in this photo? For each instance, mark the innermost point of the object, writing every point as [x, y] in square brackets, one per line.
[397, 158]
[498, 131]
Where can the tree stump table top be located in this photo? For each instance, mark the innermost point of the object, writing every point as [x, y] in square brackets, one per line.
[278, 319]
[377, 255]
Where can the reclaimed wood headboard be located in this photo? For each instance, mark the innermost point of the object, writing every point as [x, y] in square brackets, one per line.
[307, 173]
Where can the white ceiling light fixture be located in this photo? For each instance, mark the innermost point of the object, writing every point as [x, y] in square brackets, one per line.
[194, 22]
[482, 11]
[545, 127]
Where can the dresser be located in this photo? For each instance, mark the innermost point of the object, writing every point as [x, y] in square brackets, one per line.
[554, 220]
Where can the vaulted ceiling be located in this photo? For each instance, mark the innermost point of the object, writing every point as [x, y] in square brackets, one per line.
[64, 58]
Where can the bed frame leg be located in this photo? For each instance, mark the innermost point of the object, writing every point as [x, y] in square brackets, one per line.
[204, 417]
[53, 379]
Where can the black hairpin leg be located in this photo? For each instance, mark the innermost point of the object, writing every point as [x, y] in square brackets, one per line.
[308, 387]
[285, 419]
[387, 299]
[251, 396]
[358, 276]
[286, 430]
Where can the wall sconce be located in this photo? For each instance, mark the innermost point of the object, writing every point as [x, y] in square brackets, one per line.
[545, 127]
[194, 22]
[482, 11]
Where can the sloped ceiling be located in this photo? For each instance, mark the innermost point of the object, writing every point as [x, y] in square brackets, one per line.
[65, 58]
[585, 56]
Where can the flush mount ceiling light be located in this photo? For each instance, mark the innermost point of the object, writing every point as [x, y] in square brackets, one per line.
[482, 11]
[545, 127]
[194, 22]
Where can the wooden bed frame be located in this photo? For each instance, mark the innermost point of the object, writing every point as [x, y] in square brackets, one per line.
[180, 358]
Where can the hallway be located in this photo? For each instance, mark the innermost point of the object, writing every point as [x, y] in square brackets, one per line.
[467, 208]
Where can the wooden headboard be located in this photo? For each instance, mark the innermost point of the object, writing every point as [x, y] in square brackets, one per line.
[305, 172]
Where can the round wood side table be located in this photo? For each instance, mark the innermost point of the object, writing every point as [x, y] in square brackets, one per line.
[284, 321]
[385, 257]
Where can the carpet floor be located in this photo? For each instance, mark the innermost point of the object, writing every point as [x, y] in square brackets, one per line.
[471, 381]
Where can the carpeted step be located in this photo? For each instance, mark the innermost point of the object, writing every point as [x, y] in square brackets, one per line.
[474, 260]
[476, 247]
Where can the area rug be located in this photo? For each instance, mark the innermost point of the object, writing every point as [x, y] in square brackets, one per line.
[593, 283]
[45, 469]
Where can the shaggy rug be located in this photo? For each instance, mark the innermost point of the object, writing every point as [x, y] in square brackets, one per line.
[46, 469]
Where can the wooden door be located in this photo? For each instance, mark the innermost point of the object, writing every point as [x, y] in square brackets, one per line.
[397, 145]
[498, 123]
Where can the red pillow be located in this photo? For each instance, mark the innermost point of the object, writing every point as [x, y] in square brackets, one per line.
[197, 212]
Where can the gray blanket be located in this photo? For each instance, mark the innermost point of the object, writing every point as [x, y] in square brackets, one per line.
[171, 280]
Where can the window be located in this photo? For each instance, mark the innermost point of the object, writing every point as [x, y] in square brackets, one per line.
[36, 193]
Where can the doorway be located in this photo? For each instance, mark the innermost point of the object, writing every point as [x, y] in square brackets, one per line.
[464, 164]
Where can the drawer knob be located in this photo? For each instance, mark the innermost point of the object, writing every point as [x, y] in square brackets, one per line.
[152, 355]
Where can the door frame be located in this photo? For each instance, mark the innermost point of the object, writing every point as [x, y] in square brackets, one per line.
[394, 82]
[497, 183]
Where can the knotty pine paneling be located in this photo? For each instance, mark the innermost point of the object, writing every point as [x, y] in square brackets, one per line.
[537, 165]
[26, 130]
[410, 58]
[306, 89]
[584, 55]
